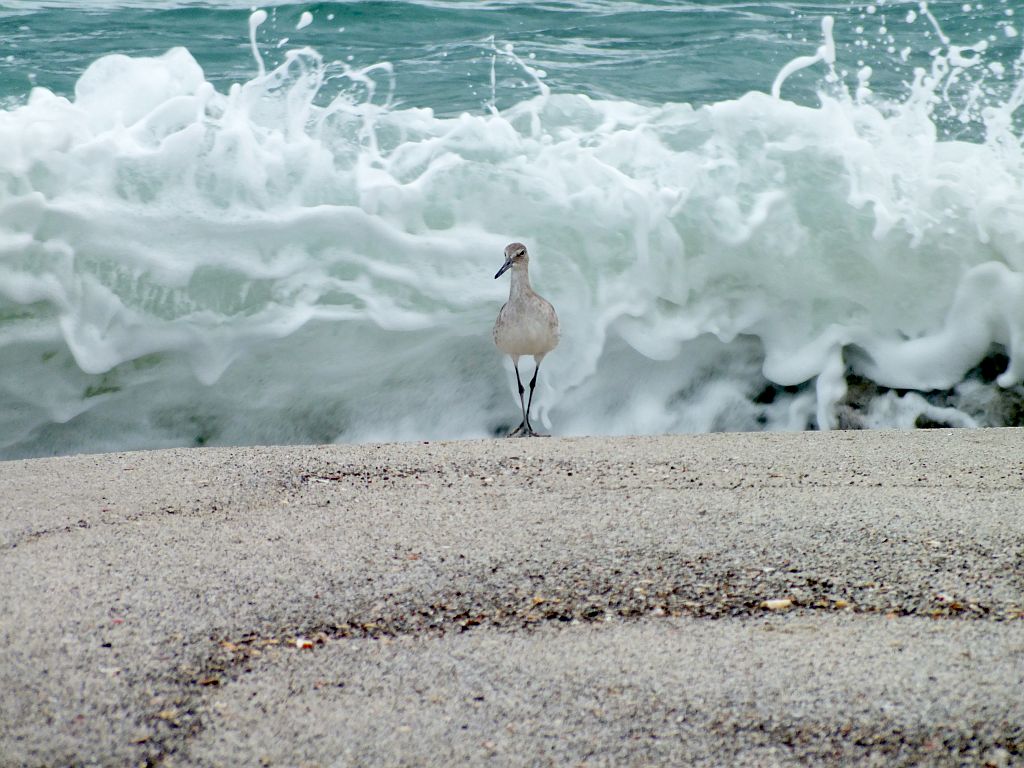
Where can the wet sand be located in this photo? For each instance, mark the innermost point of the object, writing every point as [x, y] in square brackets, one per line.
[770, 599]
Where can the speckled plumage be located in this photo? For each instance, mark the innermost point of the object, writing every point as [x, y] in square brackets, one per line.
[527, 323]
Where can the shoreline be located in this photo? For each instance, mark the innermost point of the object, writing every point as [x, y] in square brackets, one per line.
[750, 597]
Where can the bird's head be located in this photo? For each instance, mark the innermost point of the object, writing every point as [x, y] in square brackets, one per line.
[515, 253]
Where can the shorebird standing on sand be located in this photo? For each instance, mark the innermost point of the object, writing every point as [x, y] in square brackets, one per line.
[526, 325]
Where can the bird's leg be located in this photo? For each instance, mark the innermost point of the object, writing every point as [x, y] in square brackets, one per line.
[526, 415]
[524, 425]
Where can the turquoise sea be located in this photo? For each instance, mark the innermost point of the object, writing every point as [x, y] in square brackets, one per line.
[228, 224]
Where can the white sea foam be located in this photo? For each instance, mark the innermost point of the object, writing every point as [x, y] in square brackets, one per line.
[179, 264]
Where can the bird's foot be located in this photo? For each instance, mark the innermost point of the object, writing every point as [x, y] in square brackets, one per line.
[525, 430]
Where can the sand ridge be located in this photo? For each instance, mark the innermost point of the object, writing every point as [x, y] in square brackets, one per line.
[762, 598]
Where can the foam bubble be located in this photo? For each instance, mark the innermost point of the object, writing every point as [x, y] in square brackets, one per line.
[179, 264]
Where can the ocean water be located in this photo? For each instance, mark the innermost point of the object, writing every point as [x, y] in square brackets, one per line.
[228, 225]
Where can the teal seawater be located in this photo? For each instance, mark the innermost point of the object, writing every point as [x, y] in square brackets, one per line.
[224, 227]
[647, 52]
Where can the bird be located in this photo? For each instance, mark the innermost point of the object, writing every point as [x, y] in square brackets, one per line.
[527, 325]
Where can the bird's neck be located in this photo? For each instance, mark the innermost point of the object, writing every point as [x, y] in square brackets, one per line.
[520, 282]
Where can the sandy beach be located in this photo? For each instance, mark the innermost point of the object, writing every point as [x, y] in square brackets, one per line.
[757, 599]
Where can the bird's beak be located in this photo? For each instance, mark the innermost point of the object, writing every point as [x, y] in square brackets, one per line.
[506, 265]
